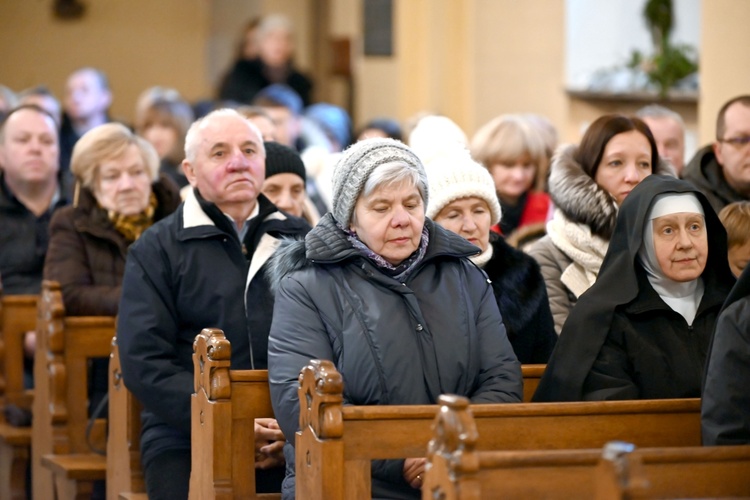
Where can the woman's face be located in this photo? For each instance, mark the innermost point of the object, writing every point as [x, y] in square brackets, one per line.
[626, 162]
[162, 137]
[513, 179]
[739, 256]
[681, 245]
[390, 221]
[123, 184]
[469, 218]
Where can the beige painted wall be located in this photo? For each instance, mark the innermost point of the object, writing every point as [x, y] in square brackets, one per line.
[725, 61]
[138, 43]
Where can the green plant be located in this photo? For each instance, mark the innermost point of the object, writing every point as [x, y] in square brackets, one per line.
[670, 63]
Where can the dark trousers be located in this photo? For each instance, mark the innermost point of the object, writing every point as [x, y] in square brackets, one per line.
[167, 476]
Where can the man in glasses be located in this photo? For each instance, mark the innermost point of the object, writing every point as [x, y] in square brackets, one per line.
[722, 170]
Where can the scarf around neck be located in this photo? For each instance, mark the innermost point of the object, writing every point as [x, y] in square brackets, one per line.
[399, 272]
[584, 248]
[132, 226]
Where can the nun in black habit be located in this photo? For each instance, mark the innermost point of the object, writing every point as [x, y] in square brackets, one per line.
[725, 407]
[637, 333]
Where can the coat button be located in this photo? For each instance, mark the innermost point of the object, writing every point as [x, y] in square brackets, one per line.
[419, 327]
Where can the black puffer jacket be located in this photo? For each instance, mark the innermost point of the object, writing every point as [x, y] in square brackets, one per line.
[394, 343]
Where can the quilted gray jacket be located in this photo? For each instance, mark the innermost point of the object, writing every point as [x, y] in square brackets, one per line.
[438, 332]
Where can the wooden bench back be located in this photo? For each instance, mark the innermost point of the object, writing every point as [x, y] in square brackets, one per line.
[124, 472]
[531, 376]
[61, 363]
[335, 443]
[17, 316]
[224, 408]
[457, 470]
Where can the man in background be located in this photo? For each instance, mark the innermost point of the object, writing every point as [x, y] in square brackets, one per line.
[722, 170]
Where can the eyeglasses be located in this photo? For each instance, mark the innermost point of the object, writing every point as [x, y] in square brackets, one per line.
[737, 142]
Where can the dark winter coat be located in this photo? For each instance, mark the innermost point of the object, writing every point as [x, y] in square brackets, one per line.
[24, 239]
[87, 254]
[247, 78]
[188, 272]
[725, 408]
[620, 329]
[707, 175]
[394, 343]
[522, 299]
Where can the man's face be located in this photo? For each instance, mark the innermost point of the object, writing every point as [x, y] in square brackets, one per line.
[85, 97]
[229, 165]
[29, 152]
[287, 192]
[286, 125]
[670, 140]
[735, 157]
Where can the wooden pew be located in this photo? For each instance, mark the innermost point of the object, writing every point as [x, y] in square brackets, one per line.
[224, 408]
[124, 473]
[62, 461]
[17, 316]
[457, 470]
[335, 443]
[531, 376]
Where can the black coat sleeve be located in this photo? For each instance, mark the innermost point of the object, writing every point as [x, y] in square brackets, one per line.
[725, 410]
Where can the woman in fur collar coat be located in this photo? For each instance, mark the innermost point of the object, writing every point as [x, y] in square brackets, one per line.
[643, 329]
[463, 200]
[587, 184]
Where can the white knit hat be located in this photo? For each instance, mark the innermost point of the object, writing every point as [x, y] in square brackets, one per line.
[355, 166]
[434, 135]
[455, 175]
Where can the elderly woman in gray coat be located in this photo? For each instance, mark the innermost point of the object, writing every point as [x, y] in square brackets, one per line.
[392, 299]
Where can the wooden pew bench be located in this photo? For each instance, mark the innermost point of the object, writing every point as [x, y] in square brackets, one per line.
[457, 470]
[336, 443]
[63, 462]
[224, 408]
[17, 316]
[531, 376]
[124, 473]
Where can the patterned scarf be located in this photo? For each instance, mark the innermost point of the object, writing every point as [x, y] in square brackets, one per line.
[399, 272]
[132, 226]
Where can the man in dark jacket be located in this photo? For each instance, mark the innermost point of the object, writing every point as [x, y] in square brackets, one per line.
[725, 407]
[29, 194]
[721, 170]
[201, 267]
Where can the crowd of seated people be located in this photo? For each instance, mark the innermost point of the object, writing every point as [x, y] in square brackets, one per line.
[396, 252]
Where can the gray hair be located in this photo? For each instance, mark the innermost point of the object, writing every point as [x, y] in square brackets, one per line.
[657, 111]
[395, 173]
[192, 138]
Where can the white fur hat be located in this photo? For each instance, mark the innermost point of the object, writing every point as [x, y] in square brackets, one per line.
[455, 175]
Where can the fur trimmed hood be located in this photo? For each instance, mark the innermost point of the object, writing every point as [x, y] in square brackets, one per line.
[580, 198]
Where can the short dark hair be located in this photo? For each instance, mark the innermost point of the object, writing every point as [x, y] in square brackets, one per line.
[721, 126]
[598, 135]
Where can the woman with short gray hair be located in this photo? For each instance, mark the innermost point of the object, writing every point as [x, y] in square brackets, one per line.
[392, 299]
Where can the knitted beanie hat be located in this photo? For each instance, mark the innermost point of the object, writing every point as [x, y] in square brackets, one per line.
[281, 159]
[355, 166]
[455, 175]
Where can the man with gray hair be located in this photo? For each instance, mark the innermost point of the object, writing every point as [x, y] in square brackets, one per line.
[203, 266]
[668, 129]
